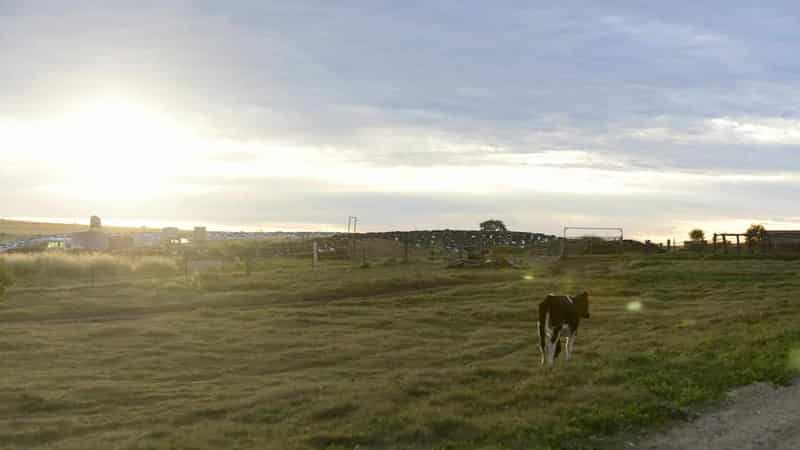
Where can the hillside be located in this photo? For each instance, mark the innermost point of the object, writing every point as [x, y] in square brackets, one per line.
[16, 229]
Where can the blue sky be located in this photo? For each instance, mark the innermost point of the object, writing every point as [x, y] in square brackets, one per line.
[655, 117]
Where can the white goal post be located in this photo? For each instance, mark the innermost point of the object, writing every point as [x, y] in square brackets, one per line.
[617, 234]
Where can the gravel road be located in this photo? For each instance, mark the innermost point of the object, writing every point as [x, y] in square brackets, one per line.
[755, 417]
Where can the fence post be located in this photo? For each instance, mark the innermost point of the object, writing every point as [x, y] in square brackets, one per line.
[314, 255]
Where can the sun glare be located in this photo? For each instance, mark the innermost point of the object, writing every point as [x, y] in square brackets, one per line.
[114, 127]
[107, 148]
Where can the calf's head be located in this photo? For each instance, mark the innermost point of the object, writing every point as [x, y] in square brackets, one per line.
[582, 304]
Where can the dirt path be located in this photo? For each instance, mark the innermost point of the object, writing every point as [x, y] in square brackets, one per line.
[755, 417]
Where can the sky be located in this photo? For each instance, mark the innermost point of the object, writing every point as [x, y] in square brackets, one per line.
[657, 117]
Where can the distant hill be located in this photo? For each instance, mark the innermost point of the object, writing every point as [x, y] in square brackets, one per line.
[17, 229]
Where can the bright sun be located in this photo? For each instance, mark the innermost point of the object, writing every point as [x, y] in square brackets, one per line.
[108, 148]
[115, 127]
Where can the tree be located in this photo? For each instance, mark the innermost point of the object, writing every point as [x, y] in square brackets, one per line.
[493, 225]
[756, 233]
[697, 235]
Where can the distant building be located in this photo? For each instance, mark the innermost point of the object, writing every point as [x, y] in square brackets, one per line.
[120, 242]
[90, 240]
[58, 243]
[783, 239]
[146, 239]
[170, 236]
[93, 239]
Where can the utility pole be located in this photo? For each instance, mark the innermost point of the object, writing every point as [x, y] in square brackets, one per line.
[352, 222]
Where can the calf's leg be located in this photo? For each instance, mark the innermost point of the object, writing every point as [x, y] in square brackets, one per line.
[542, 345]
[570, 344]
[553, 347]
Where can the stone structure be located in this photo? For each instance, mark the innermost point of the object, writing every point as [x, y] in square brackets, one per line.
[458, 240]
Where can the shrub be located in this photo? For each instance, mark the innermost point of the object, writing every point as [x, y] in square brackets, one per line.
[63, 265]
[66, 265]
[20, 265]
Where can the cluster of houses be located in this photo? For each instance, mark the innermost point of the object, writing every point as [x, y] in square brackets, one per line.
[97, 239]
[55, 241]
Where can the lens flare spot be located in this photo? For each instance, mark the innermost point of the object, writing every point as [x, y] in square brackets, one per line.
[634, 306]
[527, 277]
[794, 359]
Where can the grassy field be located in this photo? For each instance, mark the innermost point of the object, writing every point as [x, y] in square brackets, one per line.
[392, 357]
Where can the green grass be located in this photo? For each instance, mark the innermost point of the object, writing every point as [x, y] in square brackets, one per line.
[406, 356]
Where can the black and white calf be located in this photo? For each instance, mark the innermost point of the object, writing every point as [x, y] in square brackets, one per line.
[559, 317]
